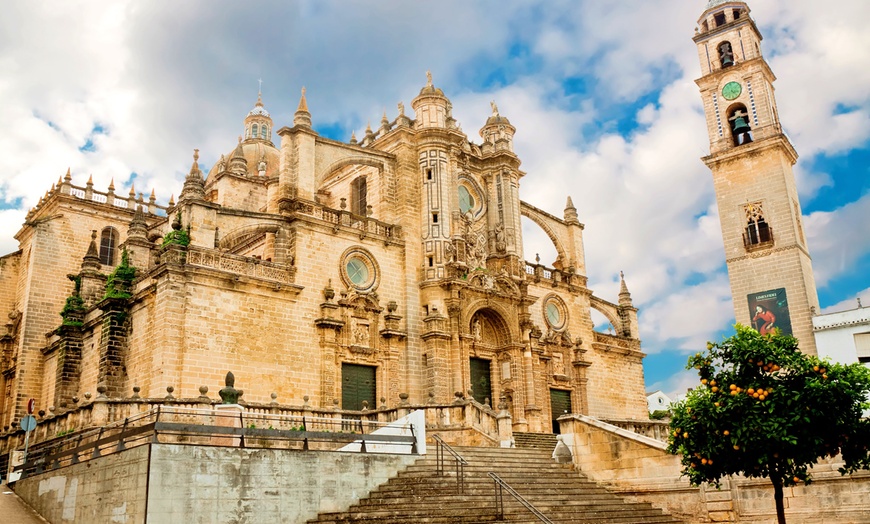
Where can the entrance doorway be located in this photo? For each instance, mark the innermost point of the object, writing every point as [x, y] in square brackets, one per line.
[481, 385]
[560, 404]
[357, 385]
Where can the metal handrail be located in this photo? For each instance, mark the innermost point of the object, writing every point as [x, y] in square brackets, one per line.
[459, 462]
[500, 487]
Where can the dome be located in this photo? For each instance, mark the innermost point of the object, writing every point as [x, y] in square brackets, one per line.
[254, 151]
[431, 90]
[714, 3]
[259, 109]
[497, 119]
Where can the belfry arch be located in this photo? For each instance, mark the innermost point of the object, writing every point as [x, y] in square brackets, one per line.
[242, 236]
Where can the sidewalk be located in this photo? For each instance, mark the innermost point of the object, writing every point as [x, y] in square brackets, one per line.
[14, 510]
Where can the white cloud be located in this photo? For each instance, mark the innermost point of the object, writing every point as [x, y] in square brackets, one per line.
[850, 303]
[161, 81]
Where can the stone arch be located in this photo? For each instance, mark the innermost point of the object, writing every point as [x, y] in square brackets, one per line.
[542, 221]
[242, 235]
[608, 309]
[380, 165]
[494, 325]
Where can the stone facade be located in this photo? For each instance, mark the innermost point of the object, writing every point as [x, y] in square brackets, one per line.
[398, 255]
[751, 159]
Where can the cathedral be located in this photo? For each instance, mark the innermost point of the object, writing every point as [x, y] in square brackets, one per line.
[349, 274]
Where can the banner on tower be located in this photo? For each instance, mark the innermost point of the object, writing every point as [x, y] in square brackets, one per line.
[769, 311]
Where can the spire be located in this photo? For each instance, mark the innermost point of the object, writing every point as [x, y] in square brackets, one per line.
[302, 117]
[194, 186]
[91, 259]
[571, 212]
[238, 162]
[138, 229]
[385, 124]
[624, 295]
[353, 139]
[68, 177]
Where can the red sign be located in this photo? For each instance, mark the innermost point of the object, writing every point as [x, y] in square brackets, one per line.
[30, 405]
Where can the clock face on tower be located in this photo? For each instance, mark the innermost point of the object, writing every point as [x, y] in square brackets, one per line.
[732, 90]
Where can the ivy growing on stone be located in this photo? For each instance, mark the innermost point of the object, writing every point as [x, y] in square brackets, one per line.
[74, 309]
[120, 280]
[178, 235]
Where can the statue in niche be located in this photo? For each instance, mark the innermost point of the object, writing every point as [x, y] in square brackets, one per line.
[558, 364]
[449, 251]
[361, 335]
[500, 243]
[476, 330]
[261, 166]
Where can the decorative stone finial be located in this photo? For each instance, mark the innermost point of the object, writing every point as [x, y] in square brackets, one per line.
[303, 116]
[428, 78]
[229, 394]
[494, 108]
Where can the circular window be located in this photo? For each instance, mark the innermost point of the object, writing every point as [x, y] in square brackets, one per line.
[555, 312]
[359, 269]
[466, 201]
[469, 199]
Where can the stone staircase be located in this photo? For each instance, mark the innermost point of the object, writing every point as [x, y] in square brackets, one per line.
[420, 495]
[535, 440]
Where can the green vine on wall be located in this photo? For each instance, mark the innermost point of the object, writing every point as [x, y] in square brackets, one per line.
[120, 280]
[74, 308]
[177, 235]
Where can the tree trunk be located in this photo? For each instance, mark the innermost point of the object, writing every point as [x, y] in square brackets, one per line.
[777, 497]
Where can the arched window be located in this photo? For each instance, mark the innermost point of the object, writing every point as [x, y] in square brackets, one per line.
[254, 131]
[108, 240]
[264, 129]
[726, 54]
[358, 196]
[757, 229]
[247, 132]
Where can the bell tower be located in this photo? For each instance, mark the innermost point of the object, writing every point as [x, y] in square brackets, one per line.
[769, 266]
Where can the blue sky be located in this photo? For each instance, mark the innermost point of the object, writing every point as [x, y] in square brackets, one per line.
[602, 95]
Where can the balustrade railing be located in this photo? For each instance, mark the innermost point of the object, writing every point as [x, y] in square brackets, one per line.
[204, 426]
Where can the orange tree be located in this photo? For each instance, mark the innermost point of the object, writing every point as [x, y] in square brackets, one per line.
[764, 409]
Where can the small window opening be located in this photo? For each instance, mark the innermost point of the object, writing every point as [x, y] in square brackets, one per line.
[425, 311]
[358, 196]
[758, 232]
[726, 55]
[434, 218]
[719, 19]
[264, 131]
[737, 14]
[431, 261]
[428, 174]
[740, 130]
[108, 239]
[254, 131]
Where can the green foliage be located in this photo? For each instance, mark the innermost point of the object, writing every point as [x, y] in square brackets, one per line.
[764, 409]
[179, 236]
[64, 433]
[659, 414]
[119, 281]
[74, 305]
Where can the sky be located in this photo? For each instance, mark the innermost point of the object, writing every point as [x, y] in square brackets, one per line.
[602, 95]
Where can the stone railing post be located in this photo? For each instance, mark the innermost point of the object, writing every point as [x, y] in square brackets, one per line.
[100, 407]
[505, 426]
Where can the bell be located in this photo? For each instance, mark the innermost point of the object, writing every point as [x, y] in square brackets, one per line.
[740, 126]
[727, 60]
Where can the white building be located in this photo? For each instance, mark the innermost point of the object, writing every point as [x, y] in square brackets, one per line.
[844, 336]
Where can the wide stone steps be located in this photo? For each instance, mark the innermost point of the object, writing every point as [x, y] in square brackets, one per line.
[535, 441]
[420, 495]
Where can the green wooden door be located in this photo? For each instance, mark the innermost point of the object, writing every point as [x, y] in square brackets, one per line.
[560, 404]
[481, 386]
[357, 385]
